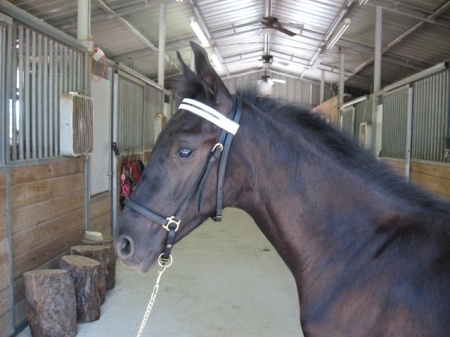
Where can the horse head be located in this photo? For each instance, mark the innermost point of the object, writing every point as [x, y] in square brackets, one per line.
[175, 172]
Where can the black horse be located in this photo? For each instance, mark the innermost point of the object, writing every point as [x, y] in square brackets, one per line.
[370, 253]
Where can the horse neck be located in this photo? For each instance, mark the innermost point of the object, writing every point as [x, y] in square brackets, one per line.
[311, 209]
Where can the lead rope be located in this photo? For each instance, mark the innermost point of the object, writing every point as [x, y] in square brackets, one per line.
[163, 264]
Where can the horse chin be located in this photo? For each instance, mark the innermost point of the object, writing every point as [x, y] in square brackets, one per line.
[148, 262]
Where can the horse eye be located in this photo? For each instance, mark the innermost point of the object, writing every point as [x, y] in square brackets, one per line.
[184, 153]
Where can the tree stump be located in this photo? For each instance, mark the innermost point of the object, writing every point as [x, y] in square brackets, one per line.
[85, 274]
[101, 254]
[51, 304]
[105, 240]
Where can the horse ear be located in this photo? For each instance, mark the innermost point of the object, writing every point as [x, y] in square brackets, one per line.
[187, 72]
[214, 86]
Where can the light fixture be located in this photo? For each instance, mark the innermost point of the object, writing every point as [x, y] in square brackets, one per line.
[201, 36]
[216, 62]
[317, 62]
[363, 2]
[337, 35]
[268, 30]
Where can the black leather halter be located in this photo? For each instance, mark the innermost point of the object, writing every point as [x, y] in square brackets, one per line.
[172, 223]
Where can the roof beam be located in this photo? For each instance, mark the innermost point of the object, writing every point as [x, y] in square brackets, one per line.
[133, 29]
[438, 10]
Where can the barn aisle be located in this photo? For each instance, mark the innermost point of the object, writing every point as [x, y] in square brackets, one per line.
[226, 281]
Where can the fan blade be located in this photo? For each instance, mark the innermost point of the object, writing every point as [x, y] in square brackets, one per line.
[285, 31]
[278, 81]
[281, 63]
[257, 32]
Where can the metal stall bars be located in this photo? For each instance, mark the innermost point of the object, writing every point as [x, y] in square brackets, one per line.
[44, 69]
[431, 117]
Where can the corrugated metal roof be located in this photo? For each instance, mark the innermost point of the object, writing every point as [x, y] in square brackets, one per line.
[128, 32]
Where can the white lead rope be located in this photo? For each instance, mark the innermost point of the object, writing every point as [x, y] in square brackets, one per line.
[154, 292]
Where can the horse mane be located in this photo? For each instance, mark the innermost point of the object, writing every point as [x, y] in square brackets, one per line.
[336, 143]
[343, 147]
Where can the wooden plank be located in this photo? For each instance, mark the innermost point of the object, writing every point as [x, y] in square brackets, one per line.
[432, 184]
[36, 236]
[4, 301]
[20, 310]
[3, 250]
[438, 171]
[101, 224]
[100, 207]
[19, 285]
[32, 215]
[3, 225]
[41, 190]
[26, 174]
[4, 276]
[42, 254]
[2, 179]
[5, 325]
[3, 199]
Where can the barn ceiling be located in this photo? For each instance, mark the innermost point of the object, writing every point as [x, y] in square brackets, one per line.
[415, 35]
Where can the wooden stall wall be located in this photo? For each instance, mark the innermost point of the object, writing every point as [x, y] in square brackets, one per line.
[435, 178]
[47, 218]
[432, 177]
[329, 109]
[5, 306]
[100, 215]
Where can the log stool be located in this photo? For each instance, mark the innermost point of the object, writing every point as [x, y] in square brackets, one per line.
[94, 239]
[101, 254]
[51, 305]
[85, 274]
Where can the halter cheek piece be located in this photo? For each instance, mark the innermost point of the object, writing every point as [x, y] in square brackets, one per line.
[229, 128]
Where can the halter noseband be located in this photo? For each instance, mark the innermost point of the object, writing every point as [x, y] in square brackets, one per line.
[229, 128]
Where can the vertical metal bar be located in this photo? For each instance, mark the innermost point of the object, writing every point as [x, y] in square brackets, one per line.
[13, 99]
[408, 133]
[39, 95]
[51, 90]
[377, 51]
[3, 99]
[114, 139]
[33, 96]
[64, 74]
[27, 98]
[44, 93]
[322, 86]
[21, 75]
[341, 76]
[162, 43]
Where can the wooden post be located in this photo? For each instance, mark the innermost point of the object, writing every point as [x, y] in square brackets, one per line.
[105, 240]
[85, 273]
[51, 304]
[101, 254]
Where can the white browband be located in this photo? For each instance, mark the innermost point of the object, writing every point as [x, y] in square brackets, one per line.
[209, 114]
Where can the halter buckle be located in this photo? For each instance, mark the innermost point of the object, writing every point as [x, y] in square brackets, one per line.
[216, 146]
[171, 220]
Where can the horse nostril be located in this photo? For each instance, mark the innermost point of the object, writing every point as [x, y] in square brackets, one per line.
[125, 247]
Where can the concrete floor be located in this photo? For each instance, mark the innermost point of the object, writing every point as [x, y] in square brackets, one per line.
[226, 280]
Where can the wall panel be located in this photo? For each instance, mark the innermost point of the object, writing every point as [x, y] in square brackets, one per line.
[100, 216]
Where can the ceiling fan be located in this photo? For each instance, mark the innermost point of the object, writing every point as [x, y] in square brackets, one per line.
[271, 24]
[267, 60]
[271, 81]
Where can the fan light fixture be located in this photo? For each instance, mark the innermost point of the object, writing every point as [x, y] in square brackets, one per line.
[268, 30]
[201, 36]
[337, 35]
